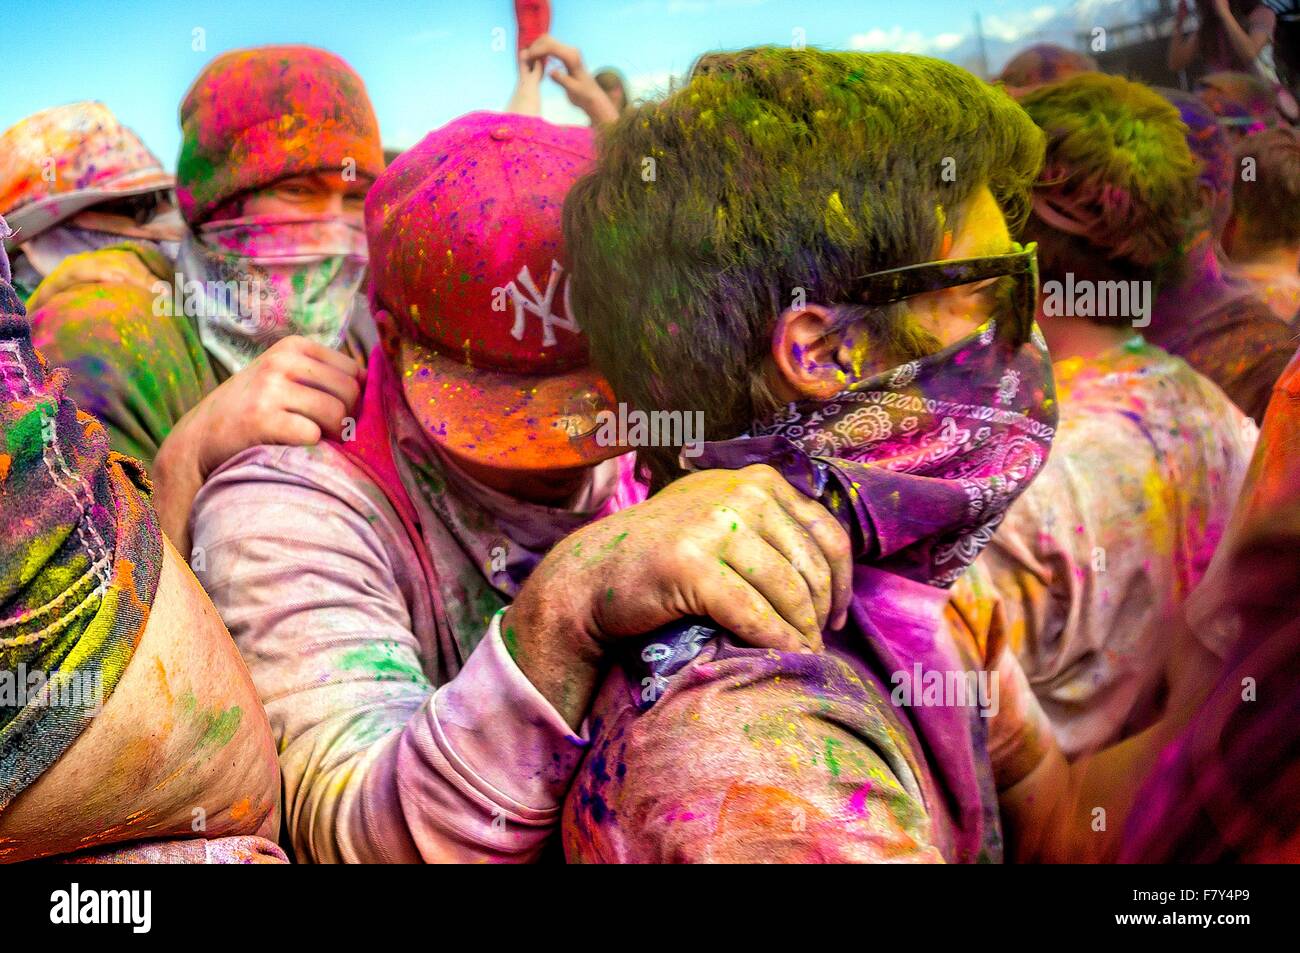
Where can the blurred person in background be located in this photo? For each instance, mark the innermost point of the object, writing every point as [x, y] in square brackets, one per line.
[74, 179]
[255, 333]
[1043, 63]
[1093, 563]
[1262, 237]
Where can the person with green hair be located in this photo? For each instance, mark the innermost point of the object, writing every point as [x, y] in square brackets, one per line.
[823, 265]
[1218, 325]
[1096, 560]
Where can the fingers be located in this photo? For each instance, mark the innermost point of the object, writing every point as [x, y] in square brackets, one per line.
[831, 538]
[570, 84]
[319, 353]
[306, 362]
[329, 380]
[293, 430]
[775, 578]
[530, 69]
[729, 600]
[547, 45]
[800, 549]
[323, 410]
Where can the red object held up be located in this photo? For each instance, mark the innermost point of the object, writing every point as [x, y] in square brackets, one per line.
[534, 19]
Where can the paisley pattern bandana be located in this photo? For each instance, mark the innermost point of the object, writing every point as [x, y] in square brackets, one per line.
[252, 281]
[919, 463]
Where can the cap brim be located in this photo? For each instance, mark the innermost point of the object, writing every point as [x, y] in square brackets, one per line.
[31, 220]
[509, 421]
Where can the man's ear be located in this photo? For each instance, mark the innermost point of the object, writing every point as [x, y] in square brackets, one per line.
[806, 355]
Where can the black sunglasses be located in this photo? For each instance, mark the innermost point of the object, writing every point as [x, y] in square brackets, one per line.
[882, 288]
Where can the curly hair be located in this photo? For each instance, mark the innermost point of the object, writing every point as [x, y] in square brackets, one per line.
[773, 175]
[1118, 195]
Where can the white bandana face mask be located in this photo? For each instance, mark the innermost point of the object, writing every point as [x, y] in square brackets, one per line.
[252, 281]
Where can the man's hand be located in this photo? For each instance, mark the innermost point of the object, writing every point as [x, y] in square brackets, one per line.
[580, 85]
[741, 547]
[294, 393]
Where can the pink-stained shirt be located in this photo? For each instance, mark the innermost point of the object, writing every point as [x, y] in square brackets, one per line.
[1101, 551]
[385, 756]
[758, 756]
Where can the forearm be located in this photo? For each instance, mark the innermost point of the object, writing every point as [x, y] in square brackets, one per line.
[476, 772]
[525, 101]
[177, 481]
[1182, 46]
[1245, 45]
[561, 661]
[601, 110]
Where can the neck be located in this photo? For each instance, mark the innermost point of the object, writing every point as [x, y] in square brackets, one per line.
[546, 488]
[1078, 337]
[1201, 285]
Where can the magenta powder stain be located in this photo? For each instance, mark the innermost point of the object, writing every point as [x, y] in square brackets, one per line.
[858, 800]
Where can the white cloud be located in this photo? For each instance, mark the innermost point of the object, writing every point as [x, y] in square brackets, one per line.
[895, 38]
[649, 85]
[1013, 27]
[899, 40]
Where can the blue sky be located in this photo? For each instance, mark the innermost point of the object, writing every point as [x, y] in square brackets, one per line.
[427, 61]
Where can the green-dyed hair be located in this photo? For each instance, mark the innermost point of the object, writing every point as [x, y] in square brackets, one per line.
[1120, 172]
[773, 173]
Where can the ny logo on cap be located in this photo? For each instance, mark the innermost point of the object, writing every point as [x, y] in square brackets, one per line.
[540, 305]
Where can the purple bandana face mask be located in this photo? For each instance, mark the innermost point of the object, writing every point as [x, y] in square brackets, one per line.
[919, 463]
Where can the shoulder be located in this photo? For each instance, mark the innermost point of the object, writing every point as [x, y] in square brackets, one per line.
[128, 267]
[318, 469]
[122, 287]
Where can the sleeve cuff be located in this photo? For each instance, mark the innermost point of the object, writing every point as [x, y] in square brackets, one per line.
[501, 733]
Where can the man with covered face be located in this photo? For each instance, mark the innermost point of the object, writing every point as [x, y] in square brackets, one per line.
[74, 179]
[823, 264]
[244, 338]
[365, 580]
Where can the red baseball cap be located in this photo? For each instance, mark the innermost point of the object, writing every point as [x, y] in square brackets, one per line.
[469, 282]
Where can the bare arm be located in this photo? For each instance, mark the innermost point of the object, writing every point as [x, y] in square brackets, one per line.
[1182, 46]
[181, 748]
[1245, 42]
[526, 100]
[1182, 49]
